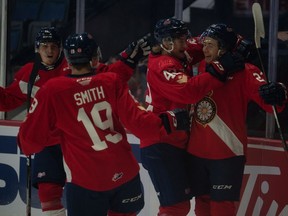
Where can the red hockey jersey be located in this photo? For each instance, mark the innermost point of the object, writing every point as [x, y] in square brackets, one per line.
[219, 120]
[16, 94]
[88, 112]
[169, 87]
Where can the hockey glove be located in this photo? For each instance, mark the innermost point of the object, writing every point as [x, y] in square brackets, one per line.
[227, 64]
[246, 49]
[177, 119]
[273, 93]
[194, 51]
[136, 51]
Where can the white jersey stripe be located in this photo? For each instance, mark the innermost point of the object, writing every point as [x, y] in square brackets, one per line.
[23, 87]
[226, 135]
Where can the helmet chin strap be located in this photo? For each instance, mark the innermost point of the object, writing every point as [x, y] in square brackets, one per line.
[51, 67]
[220, 52]
[168, 50]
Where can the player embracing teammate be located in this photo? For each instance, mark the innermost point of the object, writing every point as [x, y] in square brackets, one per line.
[218, 136]
[217, 141]
[215, 144]
[171, 85]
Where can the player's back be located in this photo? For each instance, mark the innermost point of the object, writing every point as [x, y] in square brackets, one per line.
[94, 141]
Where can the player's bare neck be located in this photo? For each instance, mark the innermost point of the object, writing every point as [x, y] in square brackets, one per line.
[81, 69]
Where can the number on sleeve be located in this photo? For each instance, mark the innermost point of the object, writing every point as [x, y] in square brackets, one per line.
[258, 77]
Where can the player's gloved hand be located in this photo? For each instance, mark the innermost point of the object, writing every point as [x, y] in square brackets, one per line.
[156, 49]
[136, 51]
[228, 64]
[273, 93]
[177, 119]
[246, 48]
[194, 51]
[155, 46]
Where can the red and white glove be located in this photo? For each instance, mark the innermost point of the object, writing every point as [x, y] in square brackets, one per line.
[194, 52]
[227, 64]
[177, 119]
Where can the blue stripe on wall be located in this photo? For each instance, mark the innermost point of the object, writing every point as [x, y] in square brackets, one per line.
[8, 144]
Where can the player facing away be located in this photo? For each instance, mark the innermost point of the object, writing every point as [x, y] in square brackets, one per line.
[48, 174]
[87, 112]
[170, 86]
[218, 136]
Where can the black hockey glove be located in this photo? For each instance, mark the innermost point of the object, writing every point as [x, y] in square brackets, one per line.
[136, 51]
[273, 93]
[228, 64]
[247, 49]
[177, 119]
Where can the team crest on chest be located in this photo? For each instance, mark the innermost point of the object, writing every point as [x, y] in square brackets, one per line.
[205, 111]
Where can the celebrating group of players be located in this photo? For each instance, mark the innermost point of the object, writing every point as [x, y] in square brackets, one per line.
[192, 134]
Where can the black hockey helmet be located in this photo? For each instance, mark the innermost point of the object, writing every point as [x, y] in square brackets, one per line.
[170, 27]
[80, 48]
[47, 34]
[223, 33]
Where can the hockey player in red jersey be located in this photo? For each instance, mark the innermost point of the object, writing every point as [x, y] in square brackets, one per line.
[218, 137]
[53, 63]
[48, 174]
[171, 85]
[86, 111]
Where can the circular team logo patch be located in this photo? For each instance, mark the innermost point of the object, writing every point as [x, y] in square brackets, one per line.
[205, 111]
